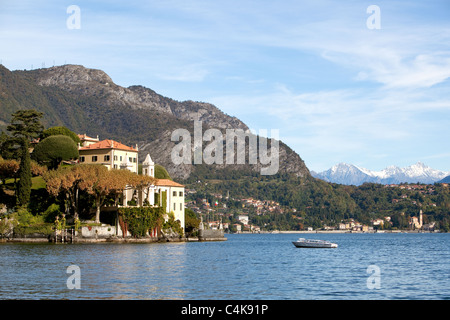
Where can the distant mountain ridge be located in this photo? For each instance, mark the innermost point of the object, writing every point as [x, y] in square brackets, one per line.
[87, 101]
[349, 174]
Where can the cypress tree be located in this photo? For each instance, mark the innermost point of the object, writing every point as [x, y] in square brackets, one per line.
[25, 125]
[24, 184]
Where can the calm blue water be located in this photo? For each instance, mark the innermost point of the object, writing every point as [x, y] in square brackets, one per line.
[247, 266]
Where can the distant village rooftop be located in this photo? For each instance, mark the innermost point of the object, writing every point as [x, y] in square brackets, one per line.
[168, 183]
[109, 144]
[84, 137]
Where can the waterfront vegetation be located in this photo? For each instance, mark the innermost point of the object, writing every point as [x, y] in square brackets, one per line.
[139, 220]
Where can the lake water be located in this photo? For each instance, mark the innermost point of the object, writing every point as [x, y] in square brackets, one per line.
[247, 267]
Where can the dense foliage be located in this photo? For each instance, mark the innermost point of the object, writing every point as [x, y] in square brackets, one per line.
[60, 130]
[191, 222]
[96, 180]
[161, 172]
[25, 125]
[54, 149]
[24, 183]
[140, 220]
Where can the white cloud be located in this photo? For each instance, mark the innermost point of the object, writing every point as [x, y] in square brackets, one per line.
[393, 58]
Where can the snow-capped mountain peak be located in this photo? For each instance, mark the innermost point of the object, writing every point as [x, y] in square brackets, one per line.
[350, 174]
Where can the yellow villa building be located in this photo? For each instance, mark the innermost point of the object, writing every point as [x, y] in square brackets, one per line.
[109, 153]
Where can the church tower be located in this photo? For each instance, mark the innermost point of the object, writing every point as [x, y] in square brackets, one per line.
[148, 166]
[421, 218]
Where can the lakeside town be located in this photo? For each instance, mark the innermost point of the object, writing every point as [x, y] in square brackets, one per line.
[240, 218]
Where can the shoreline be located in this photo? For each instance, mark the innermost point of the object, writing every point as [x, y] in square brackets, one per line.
[337, 232]
[192, 239]
[362, 232]
[110, 240]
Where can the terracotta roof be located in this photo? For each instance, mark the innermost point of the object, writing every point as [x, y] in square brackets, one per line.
[108, 144]
[167, 183]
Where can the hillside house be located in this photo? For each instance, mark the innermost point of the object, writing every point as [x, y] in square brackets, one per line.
[243, 218]
[109, 153]
[378, 222]
[86, 141]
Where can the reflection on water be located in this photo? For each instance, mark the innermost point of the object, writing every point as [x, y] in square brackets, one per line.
[413, 266]
[136, 271]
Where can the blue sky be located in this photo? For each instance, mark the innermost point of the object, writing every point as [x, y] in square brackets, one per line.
[336, 90]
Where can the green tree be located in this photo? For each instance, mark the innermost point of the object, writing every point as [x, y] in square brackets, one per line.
[8, 169]
[8, 147]
[26, 124]
[24, 184]
[60, 130]
[191, 221]
[54, 149]
[161, 172]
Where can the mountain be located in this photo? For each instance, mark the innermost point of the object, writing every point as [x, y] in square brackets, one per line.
[349, 174]
[343, 173]
[445, 180]
[88, 101]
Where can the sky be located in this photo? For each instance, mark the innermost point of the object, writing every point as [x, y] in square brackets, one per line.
[360, 82]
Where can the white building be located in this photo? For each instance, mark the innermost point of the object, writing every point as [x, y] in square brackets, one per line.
[164, 191]
[243, 218]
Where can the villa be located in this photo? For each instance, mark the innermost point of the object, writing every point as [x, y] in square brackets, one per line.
[110, 153]
[115, 155]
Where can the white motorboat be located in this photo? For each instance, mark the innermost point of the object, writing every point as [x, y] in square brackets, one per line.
[312, 243]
